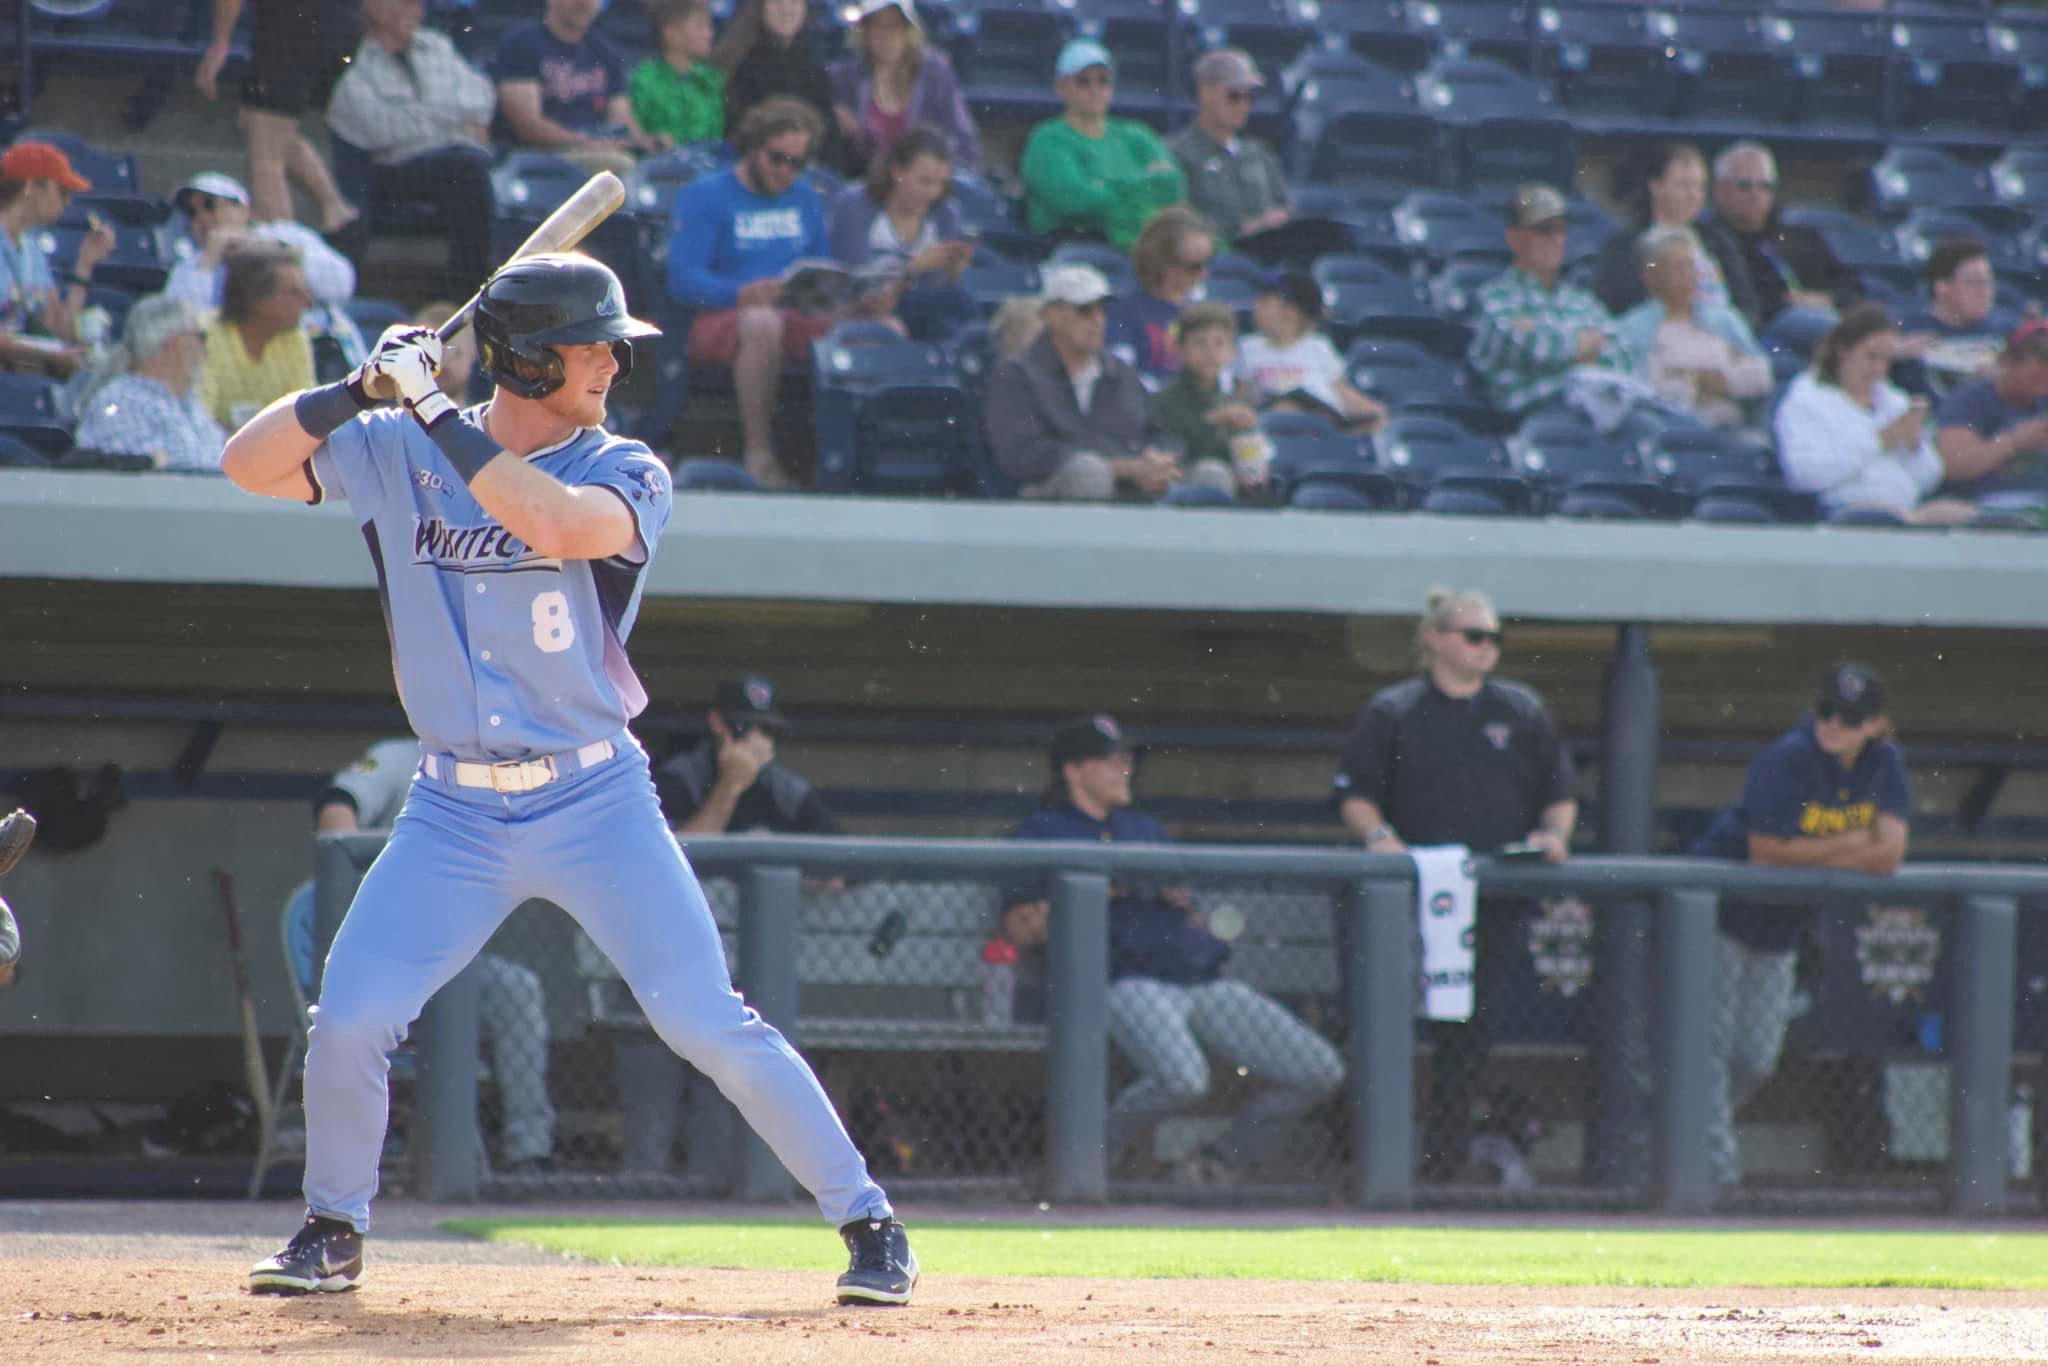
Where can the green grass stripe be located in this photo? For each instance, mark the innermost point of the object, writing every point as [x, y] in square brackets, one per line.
[1447, 1256]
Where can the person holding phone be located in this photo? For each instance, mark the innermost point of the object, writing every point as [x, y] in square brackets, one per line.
[1456, 755]
[903, 214]
[1845, 433]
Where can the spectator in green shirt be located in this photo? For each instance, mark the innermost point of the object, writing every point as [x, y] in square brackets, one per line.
[1088, 173]
[679, 97]
[1202, 409]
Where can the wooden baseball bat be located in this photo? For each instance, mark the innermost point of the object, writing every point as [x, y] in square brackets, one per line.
[569, 224]
[253, 1069]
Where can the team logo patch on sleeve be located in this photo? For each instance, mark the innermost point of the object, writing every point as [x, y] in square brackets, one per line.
[650, 479]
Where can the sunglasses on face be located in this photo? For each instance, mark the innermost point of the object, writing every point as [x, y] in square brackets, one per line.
[1748, 186]
[1835, 711]
[1200, 266]
[1477, 636]
[785, 160]
[1238, 96]
[1089, 80]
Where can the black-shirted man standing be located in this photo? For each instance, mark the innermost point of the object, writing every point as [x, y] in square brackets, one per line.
[1457, 756]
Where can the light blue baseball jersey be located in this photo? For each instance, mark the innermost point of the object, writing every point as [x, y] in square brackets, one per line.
[500, 652]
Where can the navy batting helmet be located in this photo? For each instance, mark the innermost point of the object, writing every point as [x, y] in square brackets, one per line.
[553, 299]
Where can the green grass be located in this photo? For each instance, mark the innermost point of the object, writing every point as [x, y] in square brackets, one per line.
[1457, 1256]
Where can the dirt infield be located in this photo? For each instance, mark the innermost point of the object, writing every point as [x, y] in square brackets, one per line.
[90, 1281]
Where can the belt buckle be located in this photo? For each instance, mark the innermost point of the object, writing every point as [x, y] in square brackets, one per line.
[516, 775]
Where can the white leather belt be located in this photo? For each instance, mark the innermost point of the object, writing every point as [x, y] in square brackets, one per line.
[517, 775]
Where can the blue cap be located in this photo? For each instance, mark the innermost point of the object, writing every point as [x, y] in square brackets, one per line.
[1078, 55]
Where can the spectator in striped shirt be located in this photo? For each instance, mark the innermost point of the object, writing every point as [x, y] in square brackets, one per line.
[1534, 330]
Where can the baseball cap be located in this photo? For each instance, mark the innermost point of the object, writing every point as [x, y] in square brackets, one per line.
[1535, 203]
[749, 697]
[1095, 737]
[1076, 285]
[1297, 287]
[1078, 55]
[1230, 68]
[871, 7]
[211, 183]
[41, 161]
[1855, 687]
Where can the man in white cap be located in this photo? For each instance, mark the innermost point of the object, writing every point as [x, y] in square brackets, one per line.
[1090, 174]
[217, 209]
[1234, 181]
[1066, 419]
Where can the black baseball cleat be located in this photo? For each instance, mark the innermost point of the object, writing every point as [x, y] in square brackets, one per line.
[884, 1269]
[326, 1254]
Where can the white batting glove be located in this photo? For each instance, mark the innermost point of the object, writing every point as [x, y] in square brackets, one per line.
[371, 377]
[411, 368]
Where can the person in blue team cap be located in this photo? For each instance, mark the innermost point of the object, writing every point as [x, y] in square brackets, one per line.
[1088, 174]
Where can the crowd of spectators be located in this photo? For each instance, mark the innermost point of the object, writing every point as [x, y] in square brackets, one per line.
[858, 160]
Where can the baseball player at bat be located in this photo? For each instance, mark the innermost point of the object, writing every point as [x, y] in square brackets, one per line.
[511, 542]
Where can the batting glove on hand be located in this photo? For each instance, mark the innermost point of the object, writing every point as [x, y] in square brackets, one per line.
[371, 377]
[410, 366]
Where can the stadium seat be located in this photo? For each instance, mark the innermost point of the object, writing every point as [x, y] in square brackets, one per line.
[1728, 75]
[1509, 129]
[656, 179]
[1325, 496]
[1916, 177]
[851, 360]
[1582, 474]
[1142, 35]
[1925, 229]
[1493, 30]
[1378, 30]
[1363, 297]
[1797, 331]
[1703, 466]
[32, 411]
[1454, 469]
[990, 278]
[1825, 246]
[1398, 373]
[2019, 179]
[1841, 60]
[1866, 517]
[1439, 226]
[717, 476]
[2019, 33]
[1004, 54]
[1322, 85]
[1587, 228]
[1603, 59]
[1269, 30]
[138, 264]
[1311, 454]
[530, 184]
[1946, 76]
[914, 439]
[1455, 288]
[1382, 150]
[18, 454]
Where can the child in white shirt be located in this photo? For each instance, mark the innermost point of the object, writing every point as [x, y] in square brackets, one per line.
[1290, 366]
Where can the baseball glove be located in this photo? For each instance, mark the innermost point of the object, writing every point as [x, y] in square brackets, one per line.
[17, 832]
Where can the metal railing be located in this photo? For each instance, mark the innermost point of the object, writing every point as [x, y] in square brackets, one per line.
[1656, 958]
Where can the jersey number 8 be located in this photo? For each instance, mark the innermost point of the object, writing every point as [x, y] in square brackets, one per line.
[554, 630]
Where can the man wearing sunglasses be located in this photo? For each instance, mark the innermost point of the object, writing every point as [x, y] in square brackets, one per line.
[1087, 173]
[1458, 756]
[1744, 221]
[1832, 792]
[1233, 181]
[735, 232]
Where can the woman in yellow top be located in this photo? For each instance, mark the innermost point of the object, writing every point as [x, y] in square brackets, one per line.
[256, 351]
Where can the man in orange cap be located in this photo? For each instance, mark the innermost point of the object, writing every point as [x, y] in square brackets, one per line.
[36, 182]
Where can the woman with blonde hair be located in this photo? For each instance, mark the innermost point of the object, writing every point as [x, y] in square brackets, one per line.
[894, 80]
[1171, 258]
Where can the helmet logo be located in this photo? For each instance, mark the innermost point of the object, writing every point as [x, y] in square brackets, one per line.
[613, 304]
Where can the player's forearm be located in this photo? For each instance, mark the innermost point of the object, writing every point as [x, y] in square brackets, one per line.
[269, 449]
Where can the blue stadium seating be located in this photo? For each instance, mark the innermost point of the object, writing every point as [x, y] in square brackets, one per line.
[1269, 30]
[1582, 474]
[1724, 479]
[1438, 226]
[116, 180]
[914, 439]
[1729, 75]
[990, 278]
[1004, 54]
[138, 264]
[1309, 453]
[1455, 469]
[1493, 30]
[18, 454]
[1797, 331]
[1842, 60]
[1375, 149]
[1115, 265]
[1322, 85]
[1826, 246]
[2019, 33]
[1455, 288]
[1603, 59]
[532, 184]
[1509, 128]
[850, 361]
[1912, 177]
[1362, 296]
[1946, 77]
[2019, 179]
[32, 412]
[652, 187]
[1323, 495]
[1197, 496]
[1399, 373]
[1145, 37]
[1378, 30]
[1925, 229]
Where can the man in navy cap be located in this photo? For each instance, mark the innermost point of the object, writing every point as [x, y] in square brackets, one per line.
[1832, 792]
[1169, 995]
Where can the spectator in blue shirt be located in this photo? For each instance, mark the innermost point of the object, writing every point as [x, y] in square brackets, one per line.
[1991, 432]
[562, 89]
[1168, 995]
[735, 233]
[1171, 259]
[1832, 792]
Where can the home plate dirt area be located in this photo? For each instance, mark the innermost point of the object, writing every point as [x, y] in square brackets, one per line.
[92, 1281]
